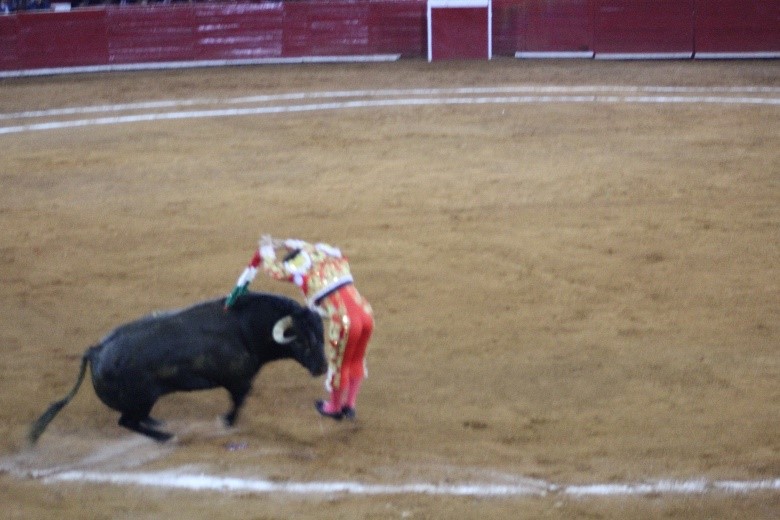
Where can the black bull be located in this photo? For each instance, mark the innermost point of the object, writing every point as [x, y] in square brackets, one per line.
[197, 348]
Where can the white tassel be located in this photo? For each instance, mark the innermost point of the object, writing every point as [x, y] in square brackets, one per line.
[267, 252]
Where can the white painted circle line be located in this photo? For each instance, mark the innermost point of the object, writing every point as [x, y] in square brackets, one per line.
[266, 98]
[396, 98]
[203, 482]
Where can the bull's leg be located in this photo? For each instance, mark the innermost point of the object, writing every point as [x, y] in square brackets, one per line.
[238, 395]
[141, 426]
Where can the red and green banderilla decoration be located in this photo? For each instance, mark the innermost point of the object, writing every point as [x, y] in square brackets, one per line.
[244, 280]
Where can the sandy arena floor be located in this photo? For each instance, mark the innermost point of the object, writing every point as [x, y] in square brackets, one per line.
[572, 286]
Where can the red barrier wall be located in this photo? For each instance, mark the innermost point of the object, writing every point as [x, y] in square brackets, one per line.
[725, 27]
[164, 33]
[398, 27]
[120, 35]
[459, 30]
[536, 28]
[653, 28]
[332, 28]
[238, 31]
[50, 39]
[9, 43]
[354, 27]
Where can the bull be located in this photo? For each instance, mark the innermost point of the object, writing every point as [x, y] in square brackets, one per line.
[200, 347]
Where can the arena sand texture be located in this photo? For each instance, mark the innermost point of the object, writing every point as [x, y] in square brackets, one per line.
[572, 286]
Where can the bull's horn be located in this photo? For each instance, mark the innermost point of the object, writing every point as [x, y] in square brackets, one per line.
[280, 330]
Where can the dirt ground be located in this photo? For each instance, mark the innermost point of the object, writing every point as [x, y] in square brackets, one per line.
[568, 291]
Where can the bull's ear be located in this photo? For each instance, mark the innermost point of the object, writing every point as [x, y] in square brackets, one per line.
[283, 331]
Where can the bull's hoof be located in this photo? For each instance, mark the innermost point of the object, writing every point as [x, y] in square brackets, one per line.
[142, 428]
[320, 406]
[228, 420]
[151, 422]
[158, 435]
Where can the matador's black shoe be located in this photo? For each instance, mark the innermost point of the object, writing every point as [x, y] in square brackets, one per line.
[348, 413]
[320, 406]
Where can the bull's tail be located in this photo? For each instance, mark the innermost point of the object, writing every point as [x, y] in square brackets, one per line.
[43, 421]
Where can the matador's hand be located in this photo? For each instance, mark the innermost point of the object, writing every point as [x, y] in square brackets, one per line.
[267, 241]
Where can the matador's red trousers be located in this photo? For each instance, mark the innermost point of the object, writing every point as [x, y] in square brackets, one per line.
[349, 323]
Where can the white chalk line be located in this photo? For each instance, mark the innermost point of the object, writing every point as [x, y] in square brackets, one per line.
[173, 103]
[203, 482]
[396, 98]
[120, 465]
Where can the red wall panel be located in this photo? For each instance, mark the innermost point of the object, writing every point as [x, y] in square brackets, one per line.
[138, 34]
[505, 21]
[326, 28]
[459, 33]
[398, 27]
[48, 39]
[9, 43]
[238, 31]
[534, 26]
[737, 26]
[644, 27]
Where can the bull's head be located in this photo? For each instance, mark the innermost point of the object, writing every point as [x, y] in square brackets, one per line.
[302, 333]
